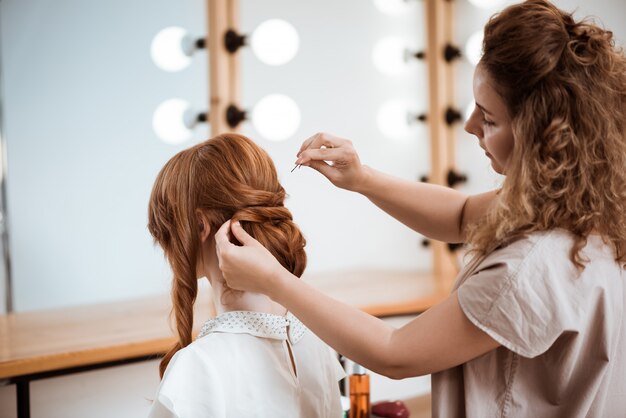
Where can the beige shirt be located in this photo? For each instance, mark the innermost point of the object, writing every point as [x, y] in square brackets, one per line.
[240, 366]
[563, 334]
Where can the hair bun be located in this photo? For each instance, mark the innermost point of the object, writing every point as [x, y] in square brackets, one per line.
[273, 227]
[256, 197]
[263, 214]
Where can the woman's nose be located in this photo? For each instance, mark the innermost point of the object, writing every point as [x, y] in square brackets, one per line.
[472, 127]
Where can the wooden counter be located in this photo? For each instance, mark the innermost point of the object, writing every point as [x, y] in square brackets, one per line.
[39, 341]
[42, 341]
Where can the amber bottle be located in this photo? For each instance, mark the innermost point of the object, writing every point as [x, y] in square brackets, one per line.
[359, 393]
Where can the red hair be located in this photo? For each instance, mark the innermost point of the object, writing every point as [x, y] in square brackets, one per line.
[226, 177]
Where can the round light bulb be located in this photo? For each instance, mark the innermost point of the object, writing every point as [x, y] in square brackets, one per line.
[276, 117]
[389, 56]
[171, 49]
[172, 121]
[394, 7]
[473, 47]
[486, 4]
[275, 42]
[393, 119]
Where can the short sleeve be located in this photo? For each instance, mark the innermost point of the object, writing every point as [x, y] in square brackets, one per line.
[519, 297]
[190, 388]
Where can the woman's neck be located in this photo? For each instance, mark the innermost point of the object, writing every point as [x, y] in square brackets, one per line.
[227, 300]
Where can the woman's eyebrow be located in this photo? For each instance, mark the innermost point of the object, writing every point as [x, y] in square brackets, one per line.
[484, 110]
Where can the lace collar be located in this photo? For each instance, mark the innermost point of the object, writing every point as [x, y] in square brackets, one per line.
[259, 324]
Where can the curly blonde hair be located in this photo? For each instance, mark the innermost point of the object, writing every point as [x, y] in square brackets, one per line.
[564, 84]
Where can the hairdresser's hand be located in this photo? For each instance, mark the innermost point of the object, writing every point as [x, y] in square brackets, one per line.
[250, 267]
[338, 160]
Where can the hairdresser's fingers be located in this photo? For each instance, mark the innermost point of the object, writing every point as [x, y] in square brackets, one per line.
[243, 236]
[307, 143]
[322, 154]
[321, 140]
[316, 141]
[221, 237]
[323, 167]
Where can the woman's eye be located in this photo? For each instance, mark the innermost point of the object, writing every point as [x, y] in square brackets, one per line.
[488, 122]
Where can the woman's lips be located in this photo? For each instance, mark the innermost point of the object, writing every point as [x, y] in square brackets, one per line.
[485, 149]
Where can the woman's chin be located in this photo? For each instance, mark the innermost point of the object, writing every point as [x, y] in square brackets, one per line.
[496, 167]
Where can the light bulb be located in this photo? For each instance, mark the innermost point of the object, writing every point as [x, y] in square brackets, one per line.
[486, 4]
[394, 7]
[171, 49]
[390, 56]
[393, 119]
[275, 42]
[172, 121]
[276, 117]
[473, 47]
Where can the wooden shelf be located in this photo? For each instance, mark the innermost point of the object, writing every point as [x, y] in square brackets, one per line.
[41, 341]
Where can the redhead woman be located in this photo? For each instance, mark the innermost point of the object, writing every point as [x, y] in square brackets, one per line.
[255, 359]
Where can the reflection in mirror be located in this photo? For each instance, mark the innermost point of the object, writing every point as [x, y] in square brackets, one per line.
[80, 173]
[80, 92]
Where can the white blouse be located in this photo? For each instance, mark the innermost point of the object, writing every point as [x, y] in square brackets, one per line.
[241, 366]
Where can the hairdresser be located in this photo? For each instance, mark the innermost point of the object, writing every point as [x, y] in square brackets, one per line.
[535, 325]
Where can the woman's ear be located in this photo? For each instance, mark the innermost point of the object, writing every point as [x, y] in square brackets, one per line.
[204, 228]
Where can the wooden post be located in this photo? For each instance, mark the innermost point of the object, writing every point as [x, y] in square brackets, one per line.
[440, 94]
[448, 9]
[222, 15]
[233, 62]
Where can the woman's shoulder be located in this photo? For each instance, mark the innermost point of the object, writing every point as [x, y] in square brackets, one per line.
[556, 237]
[189, 358]
[545, 251]
[190, 378]
[561, 240]
[209, 352]
[535, 245]
[522, 253]
[526, 293]
[524, 249]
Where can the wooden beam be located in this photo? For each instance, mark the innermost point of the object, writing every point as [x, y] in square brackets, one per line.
[440, 94]
[223, 65]
[234, 79]
[448, 10]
